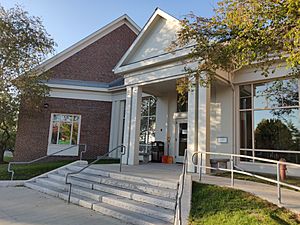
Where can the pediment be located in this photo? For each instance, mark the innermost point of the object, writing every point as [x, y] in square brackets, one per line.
[153, 40]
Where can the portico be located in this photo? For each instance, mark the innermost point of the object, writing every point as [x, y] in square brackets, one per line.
[149, 69]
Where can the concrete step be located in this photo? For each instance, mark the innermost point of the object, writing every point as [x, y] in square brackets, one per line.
[44, 189]
[125, 177]
[112, 210]
[127, 216]
[129, 204]
[137, 196]
[166, 215]
[149, 189]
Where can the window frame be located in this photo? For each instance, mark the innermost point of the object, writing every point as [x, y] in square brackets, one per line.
[51, 129]
[149, 116]
[252, 110]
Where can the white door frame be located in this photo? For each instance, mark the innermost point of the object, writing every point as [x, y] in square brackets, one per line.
[178, 159]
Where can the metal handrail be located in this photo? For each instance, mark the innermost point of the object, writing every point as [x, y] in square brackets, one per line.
[180, 187]
[10, 170]
[123, 151]
[278, 182]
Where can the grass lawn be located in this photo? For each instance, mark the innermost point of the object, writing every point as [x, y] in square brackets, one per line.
[290, 180]
[24, 172]
[7, 158]
[213, 205]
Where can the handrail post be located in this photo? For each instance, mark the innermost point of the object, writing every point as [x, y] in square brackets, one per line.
[278, 183]
[232, 172]
[88, 165]
[200, 167]
[84, 151]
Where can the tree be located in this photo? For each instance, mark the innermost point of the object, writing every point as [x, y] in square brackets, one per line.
[24, 44]
[242, 32]
[272, 134]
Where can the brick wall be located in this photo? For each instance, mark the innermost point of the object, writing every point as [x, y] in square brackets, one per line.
[96, 61]
[93, 63]
[33, 127]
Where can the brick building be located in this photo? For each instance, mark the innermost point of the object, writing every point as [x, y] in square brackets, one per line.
[80, 103]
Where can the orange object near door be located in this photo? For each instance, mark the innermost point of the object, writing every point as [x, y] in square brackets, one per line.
[167, 159]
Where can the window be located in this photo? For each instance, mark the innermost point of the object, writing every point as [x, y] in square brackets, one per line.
[182, 102]
[270, 120]
[64, 129]
[148, 120]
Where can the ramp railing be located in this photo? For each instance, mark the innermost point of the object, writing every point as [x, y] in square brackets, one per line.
[233, 169]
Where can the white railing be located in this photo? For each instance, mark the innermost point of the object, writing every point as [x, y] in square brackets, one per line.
[232, 169]
[180, 189]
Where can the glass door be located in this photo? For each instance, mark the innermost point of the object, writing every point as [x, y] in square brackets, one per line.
[181, 139]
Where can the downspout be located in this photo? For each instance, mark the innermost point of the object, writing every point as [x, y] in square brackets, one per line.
[196, 119]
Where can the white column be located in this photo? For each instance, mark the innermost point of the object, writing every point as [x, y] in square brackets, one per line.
[192, 133]
[132, 125]
[204, 124]
[198, 124]
[114, 128]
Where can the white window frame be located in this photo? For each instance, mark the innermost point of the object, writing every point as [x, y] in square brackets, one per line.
[252, 109]
[52, 148]
[147, 145]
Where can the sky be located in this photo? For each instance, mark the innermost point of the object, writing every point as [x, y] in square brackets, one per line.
[69, 21]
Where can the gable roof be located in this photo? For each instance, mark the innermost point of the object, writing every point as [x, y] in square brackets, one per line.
[55, 60]
[123, 65]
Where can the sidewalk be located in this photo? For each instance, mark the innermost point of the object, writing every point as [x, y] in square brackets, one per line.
[23, 206]
[290, 198]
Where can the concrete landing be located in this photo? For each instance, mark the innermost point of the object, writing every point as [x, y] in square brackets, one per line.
[159, 171]
[290, 198]
[23, 206]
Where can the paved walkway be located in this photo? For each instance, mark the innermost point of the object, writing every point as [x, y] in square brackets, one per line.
[23, 206]
[290, 198]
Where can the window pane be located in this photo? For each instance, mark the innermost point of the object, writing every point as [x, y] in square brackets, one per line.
[56, 117]
[76, 118]
[152, 123]
[246, 130]
[75, 134]
[245, 103]
[289, 157]
[277, 129]
[54, 132]
[245, 91]
[143, 136]
[247, 153]
[261, 95]
[64, 134]
[145, 107]
[276, 94]
[182, 103]
[152, 105]
[67, 118]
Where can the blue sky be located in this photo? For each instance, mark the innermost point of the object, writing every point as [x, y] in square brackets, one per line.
[68, 21]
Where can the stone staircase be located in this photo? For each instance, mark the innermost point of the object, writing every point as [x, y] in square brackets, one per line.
[132, 199]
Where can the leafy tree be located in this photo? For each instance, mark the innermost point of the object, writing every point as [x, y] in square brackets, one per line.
[272, 134]
[242, 32]
[24, 44]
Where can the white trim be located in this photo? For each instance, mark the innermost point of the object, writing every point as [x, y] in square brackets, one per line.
[157, 12]
[87, 95]
[125, 19]
[83, 95]
[153, 61]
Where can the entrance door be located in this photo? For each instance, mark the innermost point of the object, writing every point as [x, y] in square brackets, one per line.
[181, 140]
